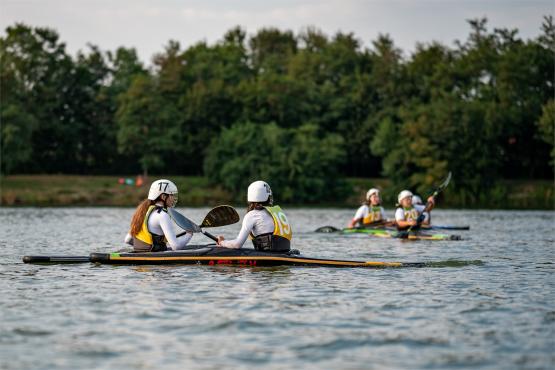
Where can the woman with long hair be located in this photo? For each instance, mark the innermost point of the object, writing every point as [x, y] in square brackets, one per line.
[151, 226]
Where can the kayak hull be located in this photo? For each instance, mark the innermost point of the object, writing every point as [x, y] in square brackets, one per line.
[224, 256]
[212, 255]
[413, 235]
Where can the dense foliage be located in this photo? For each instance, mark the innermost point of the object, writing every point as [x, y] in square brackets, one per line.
[299, 165]
[327, 107]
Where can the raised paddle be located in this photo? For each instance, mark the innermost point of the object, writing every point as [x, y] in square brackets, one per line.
[439, 189]
[218, 216]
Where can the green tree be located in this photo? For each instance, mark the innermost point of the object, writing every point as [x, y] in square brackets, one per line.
[299, 163]
[147, 128]
[15, 134]
[546, 127]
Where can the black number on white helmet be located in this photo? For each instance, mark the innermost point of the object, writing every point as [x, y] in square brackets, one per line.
[164, 185]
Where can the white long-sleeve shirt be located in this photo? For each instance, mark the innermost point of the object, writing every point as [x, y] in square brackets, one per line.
[160, 223]
[256, 221]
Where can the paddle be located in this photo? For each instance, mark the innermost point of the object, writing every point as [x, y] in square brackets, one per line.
[217, 216]
[439, 189]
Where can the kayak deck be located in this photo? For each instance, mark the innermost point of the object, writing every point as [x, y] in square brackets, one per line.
[212, 255]
[413, 235]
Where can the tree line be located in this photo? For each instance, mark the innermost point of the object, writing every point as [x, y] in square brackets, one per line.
[301, 110]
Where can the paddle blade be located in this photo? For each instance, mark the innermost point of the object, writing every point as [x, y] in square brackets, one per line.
[444, 184]
[220, 216]
[183, 222]
[327, 229]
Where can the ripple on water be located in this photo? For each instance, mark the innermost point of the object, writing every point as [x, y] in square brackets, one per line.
[488, 304]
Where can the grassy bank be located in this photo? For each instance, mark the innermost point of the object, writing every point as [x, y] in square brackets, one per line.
[69, 190]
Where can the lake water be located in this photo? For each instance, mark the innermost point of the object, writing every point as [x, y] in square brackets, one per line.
[495, 314]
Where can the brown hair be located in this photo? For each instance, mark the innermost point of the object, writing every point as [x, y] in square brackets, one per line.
[139, 216]
[257, 205]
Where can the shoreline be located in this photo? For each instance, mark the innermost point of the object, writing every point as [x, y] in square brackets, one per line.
[108, 191]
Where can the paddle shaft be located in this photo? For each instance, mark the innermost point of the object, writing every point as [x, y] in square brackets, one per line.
[202, 231]
[210, 235]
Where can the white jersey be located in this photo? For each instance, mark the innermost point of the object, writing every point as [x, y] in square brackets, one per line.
[258, 221]
[160, 223]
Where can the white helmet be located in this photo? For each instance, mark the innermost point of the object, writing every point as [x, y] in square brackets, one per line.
[403, 195]
[259, 191]
[372, 192]
[416, 200]
[160, 187]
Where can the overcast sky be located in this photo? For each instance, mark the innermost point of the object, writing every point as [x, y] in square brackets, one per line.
[148, 25]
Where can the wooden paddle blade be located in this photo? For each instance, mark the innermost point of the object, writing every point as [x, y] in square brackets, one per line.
[183, 222]
[220, 216]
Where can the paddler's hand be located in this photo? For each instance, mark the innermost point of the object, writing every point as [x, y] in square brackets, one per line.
[432, 200]
[220, 239]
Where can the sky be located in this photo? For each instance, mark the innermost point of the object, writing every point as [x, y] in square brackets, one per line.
[149, 25]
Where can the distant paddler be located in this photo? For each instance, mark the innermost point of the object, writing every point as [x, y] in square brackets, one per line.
[151, 226]
[416, 200]
[407, 213]
[370, 212]
[264, 222]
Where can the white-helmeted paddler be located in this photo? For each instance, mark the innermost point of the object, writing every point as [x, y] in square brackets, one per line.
[370, 212]
[264, 222]
[151, 226]
[406, 215]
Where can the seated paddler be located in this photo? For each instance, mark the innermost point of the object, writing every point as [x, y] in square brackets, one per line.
[407, 213]
[152, 228]
[370, 212]
[265, 223]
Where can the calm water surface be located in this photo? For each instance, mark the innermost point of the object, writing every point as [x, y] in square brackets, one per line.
[497, 314]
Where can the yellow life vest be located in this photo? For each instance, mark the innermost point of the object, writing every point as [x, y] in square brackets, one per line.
[280, 239]
[411, 214]
[374, 215]
[281, 223]
[149, 240]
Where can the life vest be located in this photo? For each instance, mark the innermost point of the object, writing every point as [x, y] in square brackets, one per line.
[411, 214]
[280, 239]
[145, 241]
[374, 215]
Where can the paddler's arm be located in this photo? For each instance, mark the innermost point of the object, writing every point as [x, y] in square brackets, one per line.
[359, 217]
[400, 219]
[425, 212]
[401, 224]
[246, 228]
[354, 222]
[174, 243]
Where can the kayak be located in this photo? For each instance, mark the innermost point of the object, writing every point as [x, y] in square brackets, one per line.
[212, 255]
[412, 235]
[333, 229]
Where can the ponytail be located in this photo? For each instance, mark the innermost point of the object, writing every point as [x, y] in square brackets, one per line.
[258, 205]
[139, 216]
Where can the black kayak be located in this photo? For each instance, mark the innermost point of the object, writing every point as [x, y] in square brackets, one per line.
[212, 255]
